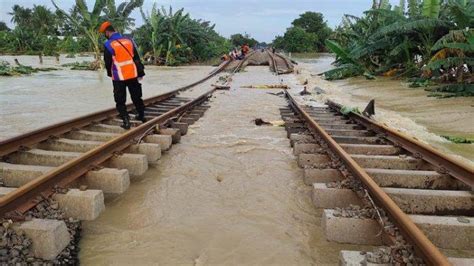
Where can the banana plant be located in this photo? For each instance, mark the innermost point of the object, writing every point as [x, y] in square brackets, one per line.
[169, 31]
[120, 16]
[155, 22]
[87, 22]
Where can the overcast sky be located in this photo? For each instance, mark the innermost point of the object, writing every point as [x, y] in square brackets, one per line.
[262, 19]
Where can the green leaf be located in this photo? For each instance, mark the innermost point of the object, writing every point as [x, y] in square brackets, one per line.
[458, 140]
[450, 62]
[424, 24]
[348, 109]
[452, 37]
[431, 8]
[339, 51]
[452, 90]
[343, 71]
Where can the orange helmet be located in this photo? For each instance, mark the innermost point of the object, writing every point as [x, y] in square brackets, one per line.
[104, 26]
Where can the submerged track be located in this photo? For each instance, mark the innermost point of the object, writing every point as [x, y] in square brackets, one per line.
[96, 136]
[421, 190]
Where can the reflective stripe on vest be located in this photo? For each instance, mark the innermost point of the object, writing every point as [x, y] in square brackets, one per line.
[123, 62]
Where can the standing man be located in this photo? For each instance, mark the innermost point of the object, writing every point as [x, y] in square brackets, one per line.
[124, 66]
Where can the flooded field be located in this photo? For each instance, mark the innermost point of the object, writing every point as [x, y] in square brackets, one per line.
[407, 109]
[31, 102]
[229, 193]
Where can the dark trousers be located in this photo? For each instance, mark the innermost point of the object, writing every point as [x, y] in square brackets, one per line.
[120, 96]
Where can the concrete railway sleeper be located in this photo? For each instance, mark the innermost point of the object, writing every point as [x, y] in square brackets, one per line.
[83, 197]
[67, 169]
[367, 184]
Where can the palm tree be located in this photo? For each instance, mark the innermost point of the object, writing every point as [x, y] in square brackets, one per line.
[44, 20]
[120, 16]
[20, 16]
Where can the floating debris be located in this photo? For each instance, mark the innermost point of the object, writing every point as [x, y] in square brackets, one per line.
[221, 87]
[347, 109]
[305, 91]
[8, 70]
[458, 140]
[260, 122]
[84, 65]
[274, 86]
[276, 94]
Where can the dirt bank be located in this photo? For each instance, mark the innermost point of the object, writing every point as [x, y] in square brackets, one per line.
[399, 106]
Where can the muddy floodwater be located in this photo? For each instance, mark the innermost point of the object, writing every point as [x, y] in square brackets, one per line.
[229, 193]
[407, 109]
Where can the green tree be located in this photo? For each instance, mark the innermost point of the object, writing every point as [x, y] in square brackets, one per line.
[241, 39]
[297, 40]
[21, 16]
[120, 16]
[43, 21]
[34, 30]
[3, 26]
[307, 34]
[313, 22]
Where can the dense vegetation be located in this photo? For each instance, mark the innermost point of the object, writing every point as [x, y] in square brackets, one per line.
[307, 34]
[176, 38]
[36, 31]
[430, 41]
[166, 37]
[241, 39]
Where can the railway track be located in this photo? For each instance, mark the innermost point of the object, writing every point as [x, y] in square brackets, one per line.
[380, 187]
[279, 64]
[74, 163]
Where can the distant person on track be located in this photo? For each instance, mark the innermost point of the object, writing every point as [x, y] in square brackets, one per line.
[245, 49]
[225, 57]
[234, 54]
[124, 66]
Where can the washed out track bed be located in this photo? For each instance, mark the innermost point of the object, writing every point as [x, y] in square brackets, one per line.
[379, 187]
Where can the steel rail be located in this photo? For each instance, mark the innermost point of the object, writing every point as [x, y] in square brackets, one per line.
[23, 198]
[33, 137]
[241, 62]
[445, 164]
[275, 65]
[423, 246]
[273, 62]
[285, 60]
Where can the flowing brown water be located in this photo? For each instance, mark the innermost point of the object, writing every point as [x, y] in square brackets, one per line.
[229, 193]
[407, 109]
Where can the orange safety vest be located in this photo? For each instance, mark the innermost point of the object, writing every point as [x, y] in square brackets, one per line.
[123, 59]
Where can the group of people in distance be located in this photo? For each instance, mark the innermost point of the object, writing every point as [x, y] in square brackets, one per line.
[234, 54]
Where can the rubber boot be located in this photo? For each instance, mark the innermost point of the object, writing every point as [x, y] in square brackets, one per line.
[126, 122]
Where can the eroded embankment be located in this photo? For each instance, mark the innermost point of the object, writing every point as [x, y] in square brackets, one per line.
[401, 107]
